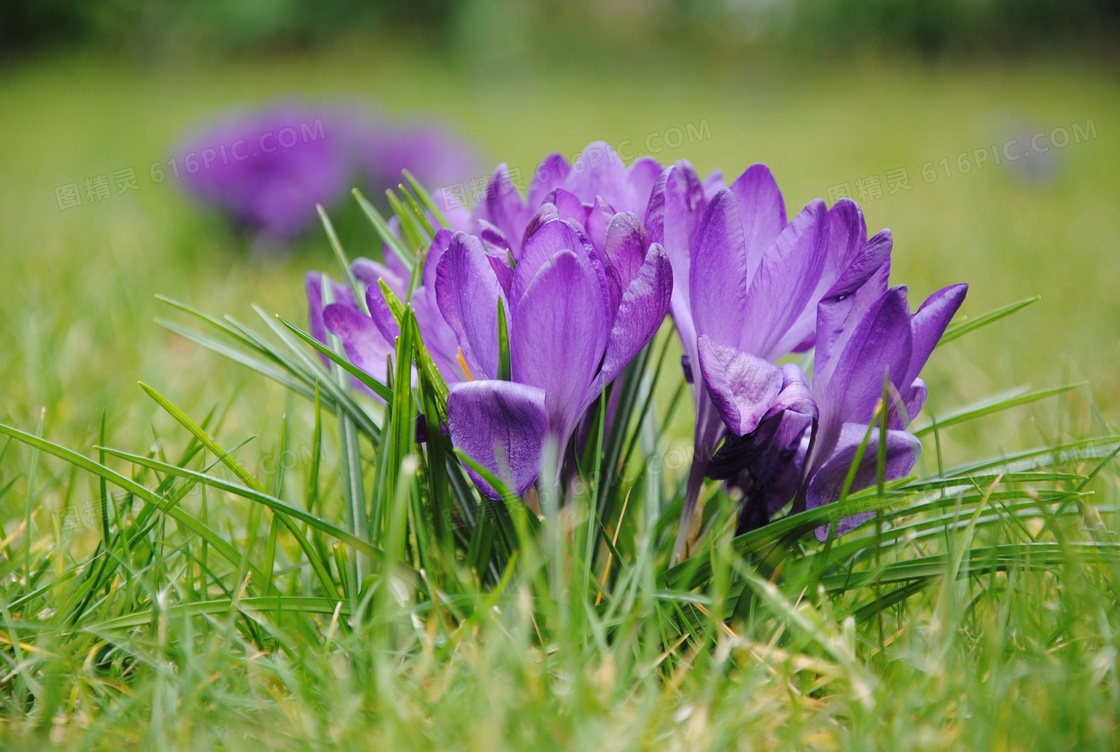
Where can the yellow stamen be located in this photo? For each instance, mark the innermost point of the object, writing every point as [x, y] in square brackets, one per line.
[463, 365]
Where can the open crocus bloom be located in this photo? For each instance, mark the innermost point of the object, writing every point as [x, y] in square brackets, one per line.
[747, 284]
[575, 317]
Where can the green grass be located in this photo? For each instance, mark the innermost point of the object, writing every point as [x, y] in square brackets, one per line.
[1015, 656]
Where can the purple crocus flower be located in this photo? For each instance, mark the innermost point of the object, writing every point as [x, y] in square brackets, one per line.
[746, 288]
[805, 449]
[575, 316]
[370, 339]
[266, 169]
[867, 333]
[588, 192]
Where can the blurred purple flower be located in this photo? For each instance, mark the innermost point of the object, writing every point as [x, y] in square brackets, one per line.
[267, 168]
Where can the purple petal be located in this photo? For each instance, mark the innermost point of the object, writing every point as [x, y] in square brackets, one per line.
[929, 324]
[742, 386]
[713, 184]
[382, 317]
[549, 175]
[784, 285]
[599, 171]
[558, 336]
[675, 208]
[880, 345]
[844, 246]
[438, 247]
[762, 212]
[551, 238]
[643, 176]
[718, 276]
[912, 402]
[493, 238]
[467, 291]
[641, 311]
[625, 246]
[503, 206]
[598, 217]
[842, 307]
[369, 272]
[500, 425]
[827, 483]
[365, 347]
[796, 395]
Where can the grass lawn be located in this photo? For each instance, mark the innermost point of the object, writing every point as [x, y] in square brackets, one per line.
[1020, 659]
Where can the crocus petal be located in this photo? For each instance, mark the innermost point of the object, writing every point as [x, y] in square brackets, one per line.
[551, 174]
[599, 171]
[880, 345]
[713, 184]
[742, 386]
[368, 272]
[643, 175]
[844, 305]
[438, 247]
[313, 285]
[846, 238]
[493, 238]
[784, 285]
[569, 206]
[598, 217]
[929, 322]
[467, 292]
[381, 315]
[827, 483]
[675, 208]
[551, 238]
[640, 313]
[503, 206]
[625, 246]
[796, 395]
[502, 426]
[775, 473]
[761, 211]
[912, 401]
[717, 286]
[558, 337]
[365, 347]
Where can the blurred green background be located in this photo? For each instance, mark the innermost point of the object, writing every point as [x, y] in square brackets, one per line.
[905, 105]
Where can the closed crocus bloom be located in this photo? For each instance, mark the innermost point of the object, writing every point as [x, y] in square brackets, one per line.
[588, 192]
[747, 284]
[575, 317]
[370, 338]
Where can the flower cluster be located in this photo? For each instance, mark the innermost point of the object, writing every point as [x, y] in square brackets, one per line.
[582, 274]
[265, 169]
